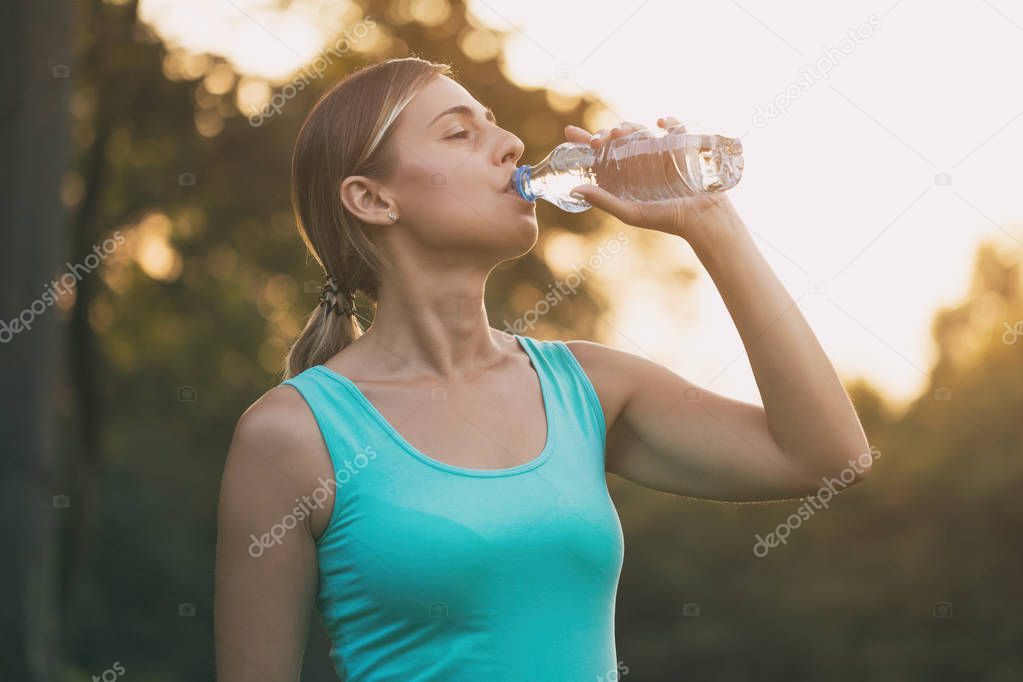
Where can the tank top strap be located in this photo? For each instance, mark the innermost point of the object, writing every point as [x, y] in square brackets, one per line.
[454, 564]
[348, 430]
[578, 404]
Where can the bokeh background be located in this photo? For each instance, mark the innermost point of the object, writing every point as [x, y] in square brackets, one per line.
[148, 148]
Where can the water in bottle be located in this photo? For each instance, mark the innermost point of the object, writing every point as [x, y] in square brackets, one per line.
[641, 166]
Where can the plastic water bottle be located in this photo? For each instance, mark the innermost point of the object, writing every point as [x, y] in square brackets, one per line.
[640, 166]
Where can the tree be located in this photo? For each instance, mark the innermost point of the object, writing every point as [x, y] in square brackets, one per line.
[34, 73]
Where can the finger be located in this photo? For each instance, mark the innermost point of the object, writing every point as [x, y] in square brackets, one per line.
[621, 130]
[598, 137]
[606, 201]
[577, 134]
[668, 122]
[625, 128]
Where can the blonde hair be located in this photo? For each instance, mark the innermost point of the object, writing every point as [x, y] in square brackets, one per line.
[348, 132]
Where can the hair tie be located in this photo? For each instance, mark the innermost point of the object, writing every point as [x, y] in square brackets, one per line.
[335, 300]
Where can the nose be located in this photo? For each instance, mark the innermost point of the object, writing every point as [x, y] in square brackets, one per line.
[508, 148]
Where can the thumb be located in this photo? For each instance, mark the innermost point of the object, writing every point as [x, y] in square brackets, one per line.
[605, 201]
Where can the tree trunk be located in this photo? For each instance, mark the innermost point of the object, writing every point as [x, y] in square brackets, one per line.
[35, 73]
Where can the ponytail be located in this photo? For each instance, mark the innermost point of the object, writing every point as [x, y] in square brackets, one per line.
[348, 132]
[324, 335]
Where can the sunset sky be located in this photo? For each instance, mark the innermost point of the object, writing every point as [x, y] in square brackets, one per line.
[874, 187]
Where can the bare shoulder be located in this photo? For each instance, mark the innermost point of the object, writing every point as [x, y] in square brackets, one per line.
[612, 372]
[278, 451]
[266, 568]
[635, 392]
[279, 425]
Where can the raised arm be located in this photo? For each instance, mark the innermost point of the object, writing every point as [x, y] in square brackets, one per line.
[265, 587]
[669, 434]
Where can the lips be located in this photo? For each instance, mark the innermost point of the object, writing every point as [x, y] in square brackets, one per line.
[509, 186]
[510, 190]
[515, 195]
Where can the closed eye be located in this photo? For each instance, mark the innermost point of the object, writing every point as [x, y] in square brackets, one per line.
[462, 134]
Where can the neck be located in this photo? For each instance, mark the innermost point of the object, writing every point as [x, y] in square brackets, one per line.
[433, 324]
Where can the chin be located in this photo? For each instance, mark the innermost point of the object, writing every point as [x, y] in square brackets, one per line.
[519, 235]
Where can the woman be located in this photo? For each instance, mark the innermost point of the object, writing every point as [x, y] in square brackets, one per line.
[437, 487]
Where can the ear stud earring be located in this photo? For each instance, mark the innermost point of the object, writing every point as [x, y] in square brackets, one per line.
[393, 217]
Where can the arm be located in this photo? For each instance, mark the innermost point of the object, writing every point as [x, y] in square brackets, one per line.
[264, 594]
[668, 434]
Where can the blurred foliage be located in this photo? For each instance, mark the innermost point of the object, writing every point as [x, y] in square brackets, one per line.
[193, 314]
[853, 593]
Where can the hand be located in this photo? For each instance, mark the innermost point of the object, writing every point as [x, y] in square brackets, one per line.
[693, 218]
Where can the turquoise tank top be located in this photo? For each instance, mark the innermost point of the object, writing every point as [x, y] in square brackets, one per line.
[429, 571]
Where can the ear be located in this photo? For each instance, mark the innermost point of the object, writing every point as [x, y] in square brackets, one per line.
[366, 200]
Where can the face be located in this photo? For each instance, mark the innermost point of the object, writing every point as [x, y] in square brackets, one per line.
[450, 187]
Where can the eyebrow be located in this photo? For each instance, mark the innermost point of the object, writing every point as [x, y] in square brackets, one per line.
[463, 110]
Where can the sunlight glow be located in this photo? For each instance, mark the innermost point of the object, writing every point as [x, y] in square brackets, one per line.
[868, 195]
